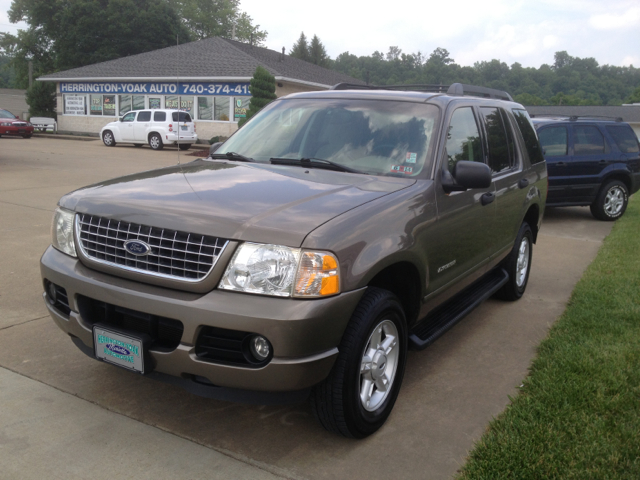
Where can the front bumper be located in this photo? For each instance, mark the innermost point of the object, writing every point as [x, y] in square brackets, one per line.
[304, 334]
[18, 131]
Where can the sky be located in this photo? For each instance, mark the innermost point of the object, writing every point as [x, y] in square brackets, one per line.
[527, 32]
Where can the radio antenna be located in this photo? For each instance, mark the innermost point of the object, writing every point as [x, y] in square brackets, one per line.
[178, 92]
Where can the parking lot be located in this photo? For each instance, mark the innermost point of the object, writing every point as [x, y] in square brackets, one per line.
[66, 416]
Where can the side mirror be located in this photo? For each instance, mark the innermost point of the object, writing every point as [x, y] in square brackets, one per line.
[214, 147]
[467, 175]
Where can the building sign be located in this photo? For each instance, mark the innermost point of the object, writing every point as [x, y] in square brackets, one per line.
[74, 105]
[180, 88]
[240, 109]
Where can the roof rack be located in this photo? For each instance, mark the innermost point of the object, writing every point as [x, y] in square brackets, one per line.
[453, 89]
[573, 118]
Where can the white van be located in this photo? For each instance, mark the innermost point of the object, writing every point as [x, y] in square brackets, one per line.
[155, 127]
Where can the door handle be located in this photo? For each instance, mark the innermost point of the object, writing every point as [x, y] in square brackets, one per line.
[487, 198]
[523, 183]
[603, 162]
[561, 164]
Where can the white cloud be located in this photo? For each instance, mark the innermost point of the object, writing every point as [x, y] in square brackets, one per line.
[613, 21]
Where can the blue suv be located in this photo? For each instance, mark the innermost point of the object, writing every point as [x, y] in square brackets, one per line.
[590, 161]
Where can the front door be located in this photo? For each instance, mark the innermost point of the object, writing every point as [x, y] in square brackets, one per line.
[141, 126]
[463, 233]
[126, 127]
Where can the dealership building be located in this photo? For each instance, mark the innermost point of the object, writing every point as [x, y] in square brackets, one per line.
[208, 78]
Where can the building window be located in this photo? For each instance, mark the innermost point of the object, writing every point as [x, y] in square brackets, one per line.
[155, 102]
[240, 107]
[109, 105]
[221, 108]
[131, 102]
[205, 108]
[75, 104]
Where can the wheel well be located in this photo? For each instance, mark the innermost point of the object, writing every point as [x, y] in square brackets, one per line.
[617, 176]
[403, 280]
[153, 133]
[532, 217]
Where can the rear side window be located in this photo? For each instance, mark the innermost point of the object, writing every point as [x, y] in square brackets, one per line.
[554, 141]
[587, 140]
[463, 138]
[500, 145]
[624, 137]
[159, 116]
[144, 116]
[181, 117]
[529, 136]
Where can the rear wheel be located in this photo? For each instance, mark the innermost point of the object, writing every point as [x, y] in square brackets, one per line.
[518, 265]
[184, 146]
[611, 202]
[155, 141]
[108, 139]
[358, 396]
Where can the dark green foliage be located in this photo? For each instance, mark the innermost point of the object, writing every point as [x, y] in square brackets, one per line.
[41, 98]
[634, 97]
[569, 81]
[216, 18]
[317, 53]
[263, 91]
[7, 73]
[301, 49]
[577, 416]
[64, 34]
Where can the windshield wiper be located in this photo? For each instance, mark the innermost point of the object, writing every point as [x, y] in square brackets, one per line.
[232, 156]
[313, 163]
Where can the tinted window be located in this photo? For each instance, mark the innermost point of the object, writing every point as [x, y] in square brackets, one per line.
[181, 117]
[529, 136]
[463, 138]
[554, 141]
[500, 157]
[159, 116]
[587, 140]
[144, 116]
[6, 114]
[129, 117]
[624, 137]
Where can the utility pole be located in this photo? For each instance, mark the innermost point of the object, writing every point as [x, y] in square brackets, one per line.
[30, 73]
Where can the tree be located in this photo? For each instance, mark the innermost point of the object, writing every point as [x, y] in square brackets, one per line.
[64, 34]
[41, 98]
[634, 97]
[317, 53]
[263, 91]
[301, 49]
[217, 18]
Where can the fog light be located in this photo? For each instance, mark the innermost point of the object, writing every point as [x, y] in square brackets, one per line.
[52, 293]
[259, 347]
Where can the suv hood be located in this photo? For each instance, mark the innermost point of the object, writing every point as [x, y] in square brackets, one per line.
[242, 201]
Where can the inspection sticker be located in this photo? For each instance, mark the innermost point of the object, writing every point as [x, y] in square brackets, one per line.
[402, 169]
[411, 157]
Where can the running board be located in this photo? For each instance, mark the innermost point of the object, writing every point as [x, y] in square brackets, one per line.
[447, 315]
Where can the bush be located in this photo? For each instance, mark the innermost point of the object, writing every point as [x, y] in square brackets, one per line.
[263, 91]
[41, 98]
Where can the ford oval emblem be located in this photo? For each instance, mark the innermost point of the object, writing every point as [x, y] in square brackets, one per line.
[117, 349]
[137, 247]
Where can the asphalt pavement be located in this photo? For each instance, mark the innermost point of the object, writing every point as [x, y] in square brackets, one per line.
[63, 415]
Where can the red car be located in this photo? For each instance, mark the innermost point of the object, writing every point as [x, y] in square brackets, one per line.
[12, 125]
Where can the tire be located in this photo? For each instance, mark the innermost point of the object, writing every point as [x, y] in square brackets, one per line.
[26, 136]
[611, 202]
[155, 141]
[108, 138]
[342, 402]
[518, 265]
[184, 146]
[137, 145]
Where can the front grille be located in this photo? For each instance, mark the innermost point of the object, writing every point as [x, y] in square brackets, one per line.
[165, 333]
[177, 255]
[231, 347]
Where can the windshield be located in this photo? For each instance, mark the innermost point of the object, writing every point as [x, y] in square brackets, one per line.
[370, 136]
[5, 114]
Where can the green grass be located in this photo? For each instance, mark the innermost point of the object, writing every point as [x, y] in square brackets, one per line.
[578, 414]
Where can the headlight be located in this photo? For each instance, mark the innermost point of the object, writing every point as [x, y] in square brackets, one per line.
[282, 271]
[6, 124]
[62, 231]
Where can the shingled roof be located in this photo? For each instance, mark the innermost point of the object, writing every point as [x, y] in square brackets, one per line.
[215, 57]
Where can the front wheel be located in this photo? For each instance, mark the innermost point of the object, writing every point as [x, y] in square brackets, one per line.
[611, 202]
[108, 139]
[518, 265]
[155, 141]
[358, 396]
[184, 146]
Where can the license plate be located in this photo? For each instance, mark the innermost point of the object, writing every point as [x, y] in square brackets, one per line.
[122, 350]
[184, 127]
[21, 131]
